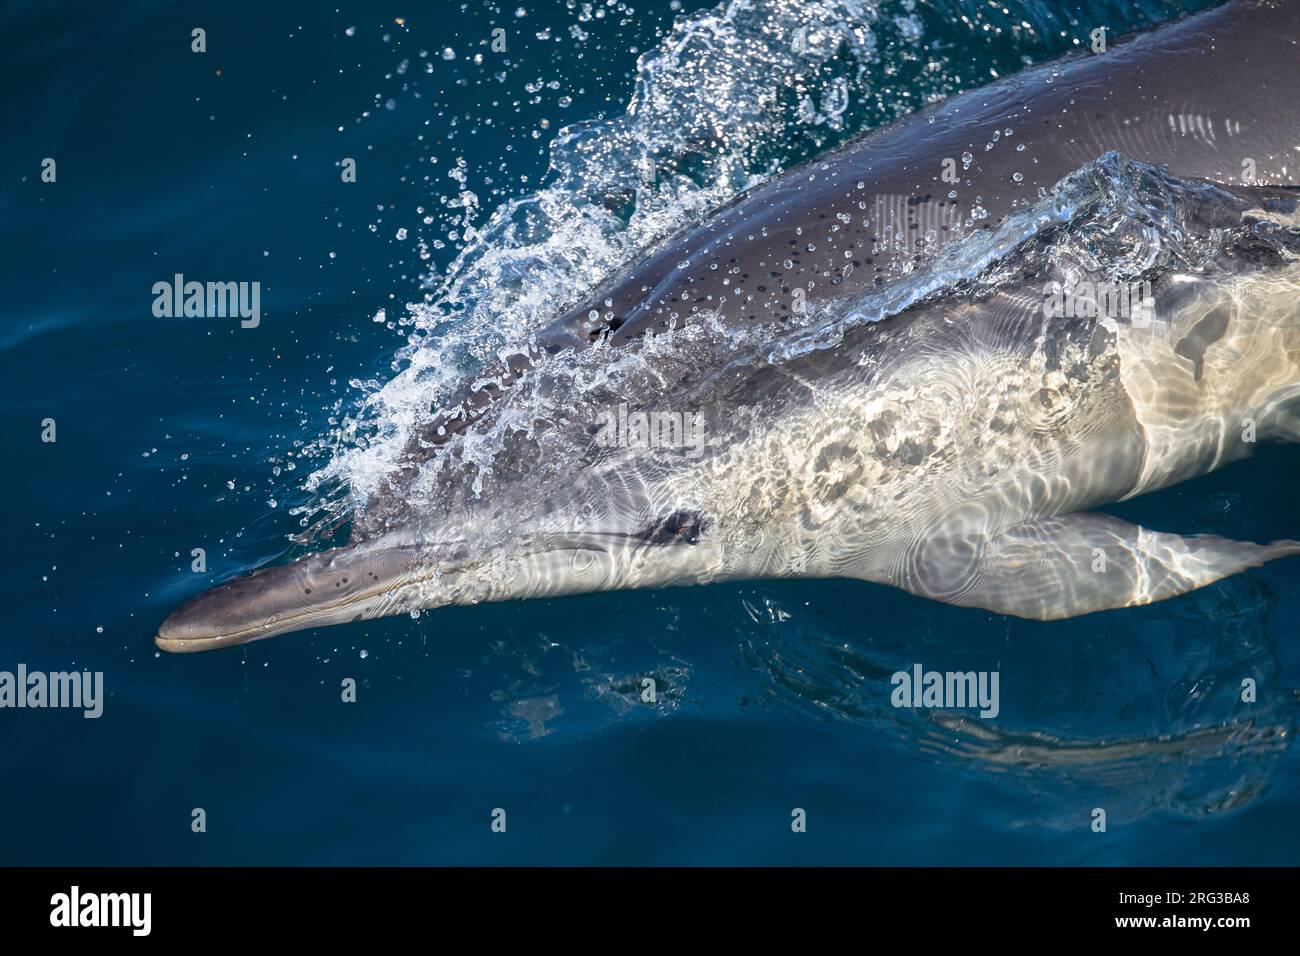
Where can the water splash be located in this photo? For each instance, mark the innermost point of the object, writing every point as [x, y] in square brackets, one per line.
[1114, 219]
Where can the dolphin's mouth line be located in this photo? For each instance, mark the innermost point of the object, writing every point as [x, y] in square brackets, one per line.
[216, 640]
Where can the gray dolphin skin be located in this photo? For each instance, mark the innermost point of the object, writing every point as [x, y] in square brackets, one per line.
[920, 360]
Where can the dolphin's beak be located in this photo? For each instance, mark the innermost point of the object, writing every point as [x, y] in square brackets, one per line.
[377, 579]
[331, 587]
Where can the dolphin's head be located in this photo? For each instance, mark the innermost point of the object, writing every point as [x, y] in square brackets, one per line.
[594, 539]
[580, 490]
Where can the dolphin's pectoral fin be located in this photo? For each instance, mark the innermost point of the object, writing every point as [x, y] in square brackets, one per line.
[1074, 564]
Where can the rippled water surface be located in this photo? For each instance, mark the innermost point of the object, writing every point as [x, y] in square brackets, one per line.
[495, 189]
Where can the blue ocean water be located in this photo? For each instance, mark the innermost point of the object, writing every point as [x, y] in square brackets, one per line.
[175, 434]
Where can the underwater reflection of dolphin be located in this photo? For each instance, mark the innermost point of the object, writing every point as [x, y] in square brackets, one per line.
[954, 448]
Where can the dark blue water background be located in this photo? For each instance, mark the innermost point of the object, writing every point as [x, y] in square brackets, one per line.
[772, 695]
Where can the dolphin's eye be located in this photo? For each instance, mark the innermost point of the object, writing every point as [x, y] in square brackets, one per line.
[680, 527]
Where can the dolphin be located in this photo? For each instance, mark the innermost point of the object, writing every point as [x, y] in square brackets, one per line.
[906, 367]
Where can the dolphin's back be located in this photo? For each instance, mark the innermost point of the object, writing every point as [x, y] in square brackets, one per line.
[1202, 96]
